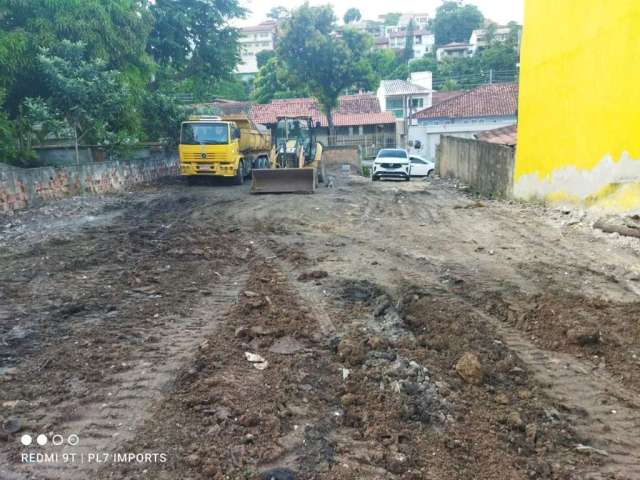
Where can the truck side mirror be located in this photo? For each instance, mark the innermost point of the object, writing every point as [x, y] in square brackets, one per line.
[236, 133]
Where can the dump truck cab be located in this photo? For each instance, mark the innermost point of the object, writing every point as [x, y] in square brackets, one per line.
[223, 147]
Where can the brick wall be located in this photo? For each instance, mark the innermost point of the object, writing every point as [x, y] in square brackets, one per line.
[30, 187]
[335, 156]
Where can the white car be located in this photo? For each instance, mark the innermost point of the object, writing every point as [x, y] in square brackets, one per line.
[392, 163]
[421, 167]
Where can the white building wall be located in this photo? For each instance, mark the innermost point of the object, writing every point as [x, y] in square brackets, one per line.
[250, 44]
[429, 135]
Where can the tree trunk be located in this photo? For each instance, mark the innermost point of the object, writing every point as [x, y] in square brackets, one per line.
[75, 130]
[331, 127]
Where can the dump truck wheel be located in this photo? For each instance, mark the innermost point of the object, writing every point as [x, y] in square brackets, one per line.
[239, 178]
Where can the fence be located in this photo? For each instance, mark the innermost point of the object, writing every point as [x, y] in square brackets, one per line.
[486, 167]
[369, 144]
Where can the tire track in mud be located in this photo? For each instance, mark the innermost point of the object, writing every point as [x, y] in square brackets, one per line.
[121, 404]
[602, 409]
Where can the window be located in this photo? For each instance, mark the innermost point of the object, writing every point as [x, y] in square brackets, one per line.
[417, 102]
[205, 134]
[417, 160]
[392, 153]
[398, 113]
[418, 40]
[394, 103]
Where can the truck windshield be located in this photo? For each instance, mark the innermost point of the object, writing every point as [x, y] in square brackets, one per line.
[205, 134]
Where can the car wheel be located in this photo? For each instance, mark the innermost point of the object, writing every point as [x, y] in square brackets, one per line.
[430, 173]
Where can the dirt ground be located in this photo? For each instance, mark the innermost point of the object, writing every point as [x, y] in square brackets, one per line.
[369, 331]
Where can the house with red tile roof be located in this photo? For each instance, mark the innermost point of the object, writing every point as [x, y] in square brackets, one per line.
[486, 107]
[358, 120]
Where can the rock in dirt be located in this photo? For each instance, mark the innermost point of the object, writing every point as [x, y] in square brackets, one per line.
[583, 336]
[313, 275]
[351, 352]
[278, 474]
[12, 425]
[256, 360]
[469, 368]
[286, 346]
[532, 434]
[514, 420]
[248, 420]
[587, 449]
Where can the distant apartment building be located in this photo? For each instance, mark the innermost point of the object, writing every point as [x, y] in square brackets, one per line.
[453, 50]
[252, 40]
[480, 38]
[423, 42]
[420, 20]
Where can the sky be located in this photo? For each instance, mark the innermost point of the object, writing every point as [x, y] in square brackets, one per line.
[501, 11]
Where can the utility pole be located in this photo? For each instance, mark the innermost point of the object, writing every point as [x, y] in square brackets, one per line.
[491, 76]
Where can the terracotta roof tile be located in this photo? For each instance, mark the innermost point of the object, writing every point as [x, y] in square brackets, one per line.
[503, 135]
[497, 100]
[439, 97]
[353, 110]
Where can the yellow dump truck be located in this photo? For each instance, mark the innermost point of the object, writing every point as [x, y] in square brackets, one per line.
[229, 146]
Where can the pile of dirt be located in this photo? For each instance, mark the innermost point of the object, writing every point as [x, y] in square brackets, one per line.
[604, 332]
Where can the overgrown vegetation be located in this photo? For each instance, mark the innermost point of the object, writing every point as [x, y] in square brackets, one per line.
[108, 72]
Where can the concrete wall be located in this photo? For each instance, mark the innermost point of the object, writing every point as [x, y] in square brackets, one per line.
[60, 156]
[487, 168]
[578, 136]
[335, 157]
[29, 187]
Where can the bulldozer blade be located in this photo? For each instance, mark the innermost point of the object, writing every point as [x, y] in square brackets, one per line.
[284, 180]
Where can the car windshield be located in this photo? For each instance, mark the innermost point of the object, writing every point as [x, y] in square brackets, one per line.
[205, 134]
[392, 154]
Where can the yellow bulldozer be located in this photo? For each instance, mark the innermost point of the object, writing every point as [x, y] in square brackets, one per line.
[295, 160]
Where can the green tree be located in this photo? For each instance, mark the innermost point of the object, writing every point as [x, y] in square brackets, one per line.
[384, 62]
[91, 98]
[263, 56]
[278, 13]
[115, 32]
[428, 63]
[391, 19]
[272, 82]
[352, 15]
[407, 53]
[193, 39]
[455, 22]
[316, 58]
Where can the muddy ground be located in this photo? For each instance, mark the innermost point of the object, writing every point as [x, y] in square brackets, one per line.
[369, 331]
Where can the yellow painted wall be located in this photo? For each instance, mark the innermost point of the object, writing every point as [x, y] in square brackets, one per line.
[579, 112]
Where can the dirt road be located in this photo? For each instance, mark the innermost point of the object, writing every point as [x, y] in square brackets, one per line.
[370, 331]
